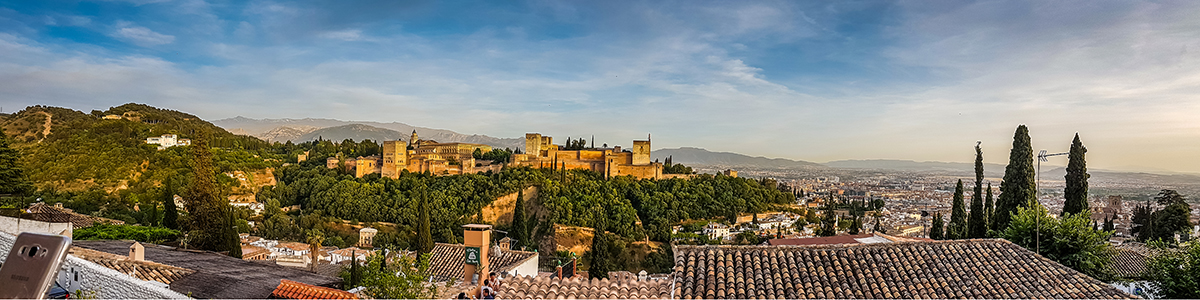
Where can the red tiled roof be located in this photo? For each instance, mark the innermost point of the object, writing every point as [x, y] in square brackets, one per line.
[45, 213]
[144, 270]
[993, 268]
[541, 287]
[826, 240]
[446, 261]
[288, 289]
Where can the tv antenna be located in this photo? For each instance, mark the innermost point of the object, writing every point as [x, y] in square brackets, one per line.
[1037, 239]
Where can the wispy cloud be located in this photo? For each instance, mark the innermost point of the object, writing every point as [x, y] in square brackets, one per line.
[141, 36]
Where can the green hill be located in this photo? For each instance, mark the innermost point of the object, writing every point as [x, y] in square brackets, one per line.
[68, 150]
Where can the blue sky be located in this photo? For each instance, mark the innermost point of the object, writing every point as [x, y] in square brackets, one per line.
[810, 80]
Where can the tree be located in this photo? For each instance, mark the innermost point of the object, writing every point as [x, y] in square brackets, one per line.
[424, 235]
[1150, 224]
[170, 212]
[1076, 191]
[233, 242]
[855, 225]
[519, 229]
[958, 215]
[1174, 273]
[208, 228]
[12, 177]
[1070, 241]
[1109, 223]
[935, 230]
[599, 262]
[989, 210]
[406, 277]
[879, 227]
[828, 226]
[1018, 187]
[977, 223]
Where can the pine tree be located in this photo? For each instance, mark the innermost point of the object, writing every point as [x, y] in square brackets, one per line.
[989, 208]
[203, 201]
[1018, 188]
[977, 224]
[519, 228]
[1076, 191]
[1109, 223]
[424, 235]
[935, 230]
[958, 215]
[170, 212]
[12, 177]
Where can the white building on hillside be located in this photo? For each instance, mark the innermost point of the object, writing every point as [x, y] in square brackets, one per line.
[167, 140]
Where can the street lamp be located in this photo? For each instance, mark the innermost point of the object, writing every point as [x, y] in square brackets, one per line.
[1037, 238]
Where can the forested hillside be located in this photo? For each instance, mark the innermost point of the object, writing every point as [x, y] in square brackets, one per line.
[68, 150]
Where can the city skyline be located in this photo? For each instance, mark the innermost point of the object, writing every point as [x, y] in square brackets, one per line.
[807, 81]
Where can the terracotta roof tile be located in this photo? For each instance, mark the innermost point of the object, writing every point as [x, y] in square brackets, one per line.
[943, 269]
[1128, 263]
[46, 213]
[144, 270]
[288, 289]
[525, 287]
[446, 261]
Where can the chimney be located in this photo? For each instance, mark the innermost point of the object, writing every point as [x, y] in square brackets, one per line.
[137, 252]
[477, 240]
[58, 205]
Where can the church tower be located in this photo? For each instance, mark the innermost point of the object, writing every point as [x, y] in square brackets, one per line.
[413, 140]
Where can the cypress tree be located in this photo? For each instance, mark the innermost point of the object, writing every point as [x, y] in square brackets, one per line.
[12, 177]
[1109, 223]
[1018, 188]
[1076, 191]
[599, 261]
[977, 224]
[424, 235]
[355, 273]
[989, 208]
[958, 215]
[233, 243]
[935, 230]
[519, 228]
[203, 201]
[170, 212]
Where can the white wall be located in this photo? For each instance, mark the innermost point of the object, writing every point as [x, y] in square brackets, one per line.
[15, 226]
[104, 282]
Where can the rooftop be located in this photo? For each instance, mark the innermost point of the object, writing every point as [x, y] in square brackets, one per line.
[216, 275]
[288, 289]
[446, 261]
[45, 213]
[990, 268]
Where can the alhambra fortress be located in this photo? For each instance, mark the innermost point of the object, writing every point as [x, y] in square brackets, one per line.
[421, 156]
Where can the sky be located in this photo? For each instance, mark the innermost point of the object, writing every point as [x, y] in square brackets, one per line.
[807, 80]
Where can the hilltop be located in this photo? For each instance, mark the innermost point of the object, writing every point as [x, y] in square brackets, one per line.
[69, 150]
[271, 129]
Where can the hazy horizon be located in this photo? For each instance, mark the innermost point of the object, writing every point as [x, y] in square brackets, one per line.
[811, 81]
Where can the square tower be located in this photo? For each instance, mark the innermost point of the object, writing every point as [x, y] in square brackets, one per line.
[641, 152]
[395, 157]
[534, 142]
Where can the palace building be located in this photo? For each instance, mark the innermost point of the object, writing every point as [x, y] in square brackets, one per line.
[541, 152]
[416, 156]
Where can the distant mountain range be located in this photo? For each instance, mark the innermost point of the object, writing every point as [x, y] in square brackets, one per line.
[699, 156]
[307, 129]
